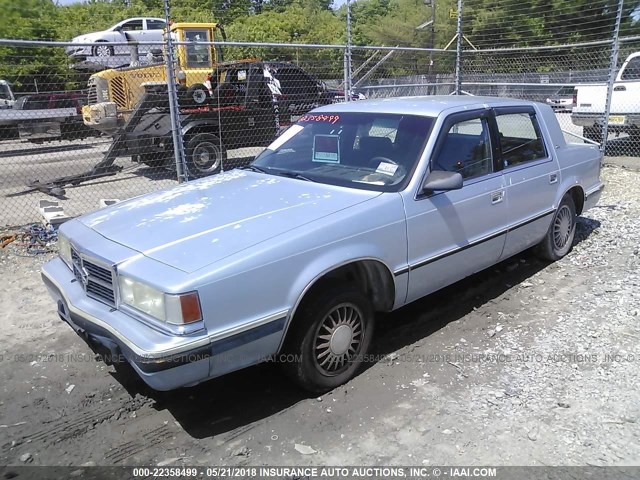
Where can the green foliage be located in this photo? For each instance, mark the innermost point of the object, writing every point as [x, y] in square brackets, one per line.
[486, 23]
[20, 65]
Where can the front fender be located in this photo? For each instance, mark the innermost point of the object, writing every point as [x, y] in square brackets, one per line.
[332, 260]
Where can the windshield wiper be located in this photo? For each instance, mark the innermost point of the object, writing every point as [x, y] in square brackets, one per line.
[299, 176]
[254, 168]
[282, 173]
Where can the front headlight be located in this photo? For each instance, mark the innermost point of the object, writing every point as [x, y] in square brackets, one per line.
[64, 250]
[175, 309]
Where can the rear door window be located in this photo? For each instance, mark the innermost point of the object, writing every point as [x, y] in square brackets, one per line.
[155, 25]
[520, 138]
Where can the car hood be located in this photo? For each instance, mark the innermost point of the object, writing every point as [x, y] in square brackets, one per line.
[89, 37]
[202, 222]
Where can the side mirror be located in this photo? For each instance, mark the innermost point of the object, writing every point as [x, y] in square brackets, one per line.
[442, 180]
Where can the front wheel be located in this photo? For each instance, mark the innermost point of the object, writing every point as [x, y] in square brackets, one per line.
[102, 50]
[559, 238]
[205, 155]
[329, 338]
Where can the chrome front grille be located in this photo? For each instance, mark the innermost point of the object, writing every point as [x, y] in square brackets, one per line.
[97, 280]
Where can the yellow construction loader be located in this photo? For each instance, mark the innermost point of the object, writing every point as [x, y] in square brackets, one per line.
[114, 93]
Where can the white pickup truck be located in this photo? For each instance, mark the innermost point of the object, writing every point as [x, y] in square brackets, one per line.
[6, 95]
[624, 116]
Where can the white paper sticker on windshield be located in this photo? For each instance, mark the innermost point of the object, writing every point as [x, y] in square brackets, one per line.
[242, 75]
[387, 168]
[288, 134]
[326, 148]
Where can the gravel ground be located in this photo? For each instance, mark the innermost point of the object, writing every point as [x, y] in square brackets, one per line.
[527, 363]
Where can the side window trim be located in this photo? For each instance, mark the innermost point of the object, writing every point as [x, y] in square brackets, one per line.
[459, 117]
[449, 121]
[525, 109]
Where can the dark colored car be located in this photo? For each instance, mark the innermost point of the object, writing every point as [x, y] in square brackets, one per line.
[52, 116]
[47, 101]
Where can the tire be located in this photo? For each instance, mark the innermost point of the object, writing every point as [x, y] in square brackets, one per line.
[102, 50]
[320, 364]
[197, 94]
[205, 155]
[559, 239]
[592, 133]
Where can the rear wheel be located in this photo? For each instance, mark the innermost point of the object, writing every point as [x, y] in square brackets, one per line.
[328, 339]
[205, 154]
[559, 239]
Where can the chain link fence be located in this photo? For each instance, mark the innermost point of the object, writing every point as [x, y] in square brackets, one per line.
[541, 74]
[126, 118]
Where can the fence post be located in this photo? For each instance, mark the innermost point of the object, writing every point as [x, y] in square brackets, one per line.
[615, 50]
[459, 49]
[174, 109]
[347, 57]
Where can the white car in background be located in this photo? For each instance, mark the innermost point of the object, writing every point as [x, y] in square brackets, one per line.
[139, 29]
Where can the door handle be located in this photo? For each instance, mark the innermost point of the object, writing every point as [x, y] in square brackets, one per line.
[497, 197]
[620, 88]
[553, 178]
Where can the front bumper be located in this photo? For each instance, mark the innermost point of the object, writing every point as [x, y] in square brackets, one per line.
[77, 51]
[163, 361]
[102, 116]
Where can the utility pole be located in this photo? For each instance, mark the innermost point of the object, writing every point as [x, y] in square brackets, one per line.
[432, 40]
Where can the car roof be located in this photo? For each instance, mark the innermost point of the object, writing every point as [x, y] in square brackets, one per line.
[141, 18]
[432, 105]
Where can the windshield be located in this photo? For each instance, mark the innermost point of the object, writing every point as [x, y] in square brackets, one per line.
[567, 91]
[372, 151]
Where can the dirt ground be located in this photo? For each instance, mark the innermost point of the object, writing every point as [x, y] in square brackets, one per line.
[527, 363]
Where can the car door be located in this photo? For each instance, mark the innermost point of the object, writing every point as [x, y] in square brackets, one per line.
[260, 106]
[300, 93]
[453, 234]
[531, 176]
[132, 31]
[153, 32]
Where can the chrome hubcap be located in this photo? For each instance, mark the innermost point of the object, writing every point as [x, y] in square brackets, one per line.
[199, 96]
[103, 51]
[338, 339]
[205, 156]
[562, 227]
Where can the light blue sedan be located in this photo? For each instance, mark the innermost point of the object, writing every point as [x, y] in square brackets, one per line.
[358, 208]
